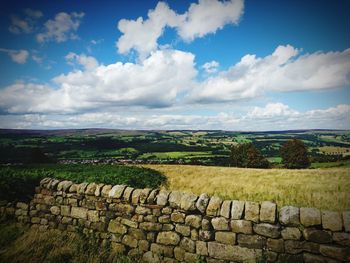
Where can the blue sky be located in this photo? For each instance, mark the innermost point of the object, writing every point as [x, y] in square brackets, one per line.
[209, 64]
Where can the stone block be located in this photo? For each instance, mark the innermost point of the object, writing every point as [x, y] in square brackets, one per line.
[79, 212]
[188, 202]
[276, 245]
[90, 189]
[335, 252]
[233, 253]
[162, 197]
[144, 195]
[178, 217]
[150, 226]
[332, 221]
[117, 248]
[193, 221]
[135, 197]
[226, 209]
[225, 237]
[242, 226]
[93, 216]
[268, 212]
[201, 248]
[183, 230]
[252, 211]
[106, 190]
[289, 216]
[202, 202]
[342, 238]
[318, 236]
[136, 233]
[149, 257]
[287, 258]
[311, 258]
[251, 241]
[267, 230]
[129, 241]
[220, 223]
[214, 206]
[206, 225]
[310, 216]
[129, 223]
[346, 220]
[55, 210]
[291, 233]
[179, 253]
[206, 235]
[116, 191]
[141, 210]
[188, 244]
[237, 209]
[163, 250]
[164, 219]
[115, 226]
[127, 194]
[151, 199]
[296, 247]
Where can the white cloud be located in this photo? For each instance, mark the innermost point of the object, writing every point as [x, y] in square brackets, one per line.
[27, 24]
[155, 82]
[201, 19]
[284, 70]
[89, 63]
[18, 56]
[272, 110]
[211, 67]
[62, 28]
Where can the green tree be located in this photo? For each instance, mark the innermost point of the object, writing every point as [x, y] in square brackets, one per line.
[246, 155]
[294, 154]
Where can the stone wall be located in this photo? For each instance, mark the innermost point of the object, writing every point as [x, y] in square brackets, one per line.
[180, 227]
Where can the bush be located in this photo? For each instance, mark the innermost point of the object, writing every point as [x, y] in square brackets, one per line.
[246, 155]
[294, 155]
[18, 183]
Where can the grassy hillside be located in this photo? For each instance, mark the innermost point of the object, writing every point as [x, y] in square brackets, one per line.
[321, 188]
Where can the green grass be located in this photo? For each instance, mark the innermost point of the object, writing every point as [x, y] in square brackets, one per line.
[18, 182]
[175, 155]
[342, 164]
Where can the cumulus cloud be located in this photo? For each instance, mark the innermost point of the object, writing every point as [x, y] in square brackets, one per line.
[155, 82]
[26, 24]
[211, 67]
[17, 56]
[62, 28]
[201, 19]
[286, 69]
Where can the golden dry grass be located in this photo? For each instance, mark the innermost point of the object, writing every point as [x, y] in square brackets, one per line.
[327, 189]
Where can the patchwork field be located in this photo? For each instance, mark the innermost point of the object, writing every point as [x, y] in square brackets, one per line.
[327, 189]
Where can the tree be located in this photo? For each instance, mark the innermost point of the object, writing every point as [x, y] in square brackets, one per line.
[294, 155]
[246, 155]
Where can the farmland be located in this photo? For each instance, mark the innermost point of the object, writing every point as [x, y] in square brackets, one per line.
[176, 147]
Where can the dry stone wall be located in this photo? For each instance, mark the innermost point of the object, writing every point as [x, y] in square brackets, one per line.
[167, 226]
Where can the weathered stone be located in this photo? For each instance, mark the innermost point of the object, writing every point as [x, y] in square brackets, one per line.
[127, 193]
[45, 181]
[106, 190]
[22, 206]
[317, 236]
[289, 216]
[164, 219]
[213, 208]
[252, 211]
[225, 237]
[291, 233]
[310, 216]
[167, 227]
[178, 217]
[124, 209]
[162, 197]
[66, 220]
[226, 209]
[163, 250]
[64, 185]
[129, 241]
[149, 226]
[190, 258]
[271, 256]
[206, 235]
[268, 212]
[296, 247]
[206, 225]
[342, 238]
[339, 253]
[35, 220]
[201, 248]
[150, 218]
[81, 188]
[90, 189]
[79, 212]
[287, 258]
[117, 248]
[143, 245]
[311, 258]
[73, 188]
[144, 195]
[136, 233]
[116, 227]
[44, 221]
[167, 211]
[276, 245]
[251, 241]
[152, 196]
[116, 191]
[183, 230]
[179, 253]
[220, 223]
[332, 221]
[202, 202]
[175, 199]
[188, 202]
[193, 221]
[188, 244]
[53, 184]
[135, 197]
[149, 257]
[98, 190]
[237, 209]
[55, 210]
[129, 223]
[143, 210]
[267, 230]
[233, 253]
[93, 216]
[242, 226]
[346, 220]
[194, 234]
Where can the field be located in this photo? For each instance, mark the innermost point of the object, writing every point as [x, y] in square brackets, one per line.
[164, 147]
[327, 189]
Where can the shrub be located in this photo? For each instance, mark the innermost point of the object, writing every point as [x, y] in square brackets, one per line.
[294, 155]
[246, 155]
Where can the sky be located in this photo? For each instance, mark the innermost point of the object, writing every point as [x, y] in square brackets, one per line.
[202, 64]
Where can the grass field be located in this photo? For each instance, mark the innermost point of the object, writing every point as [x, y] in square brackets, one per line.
[327, 189]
